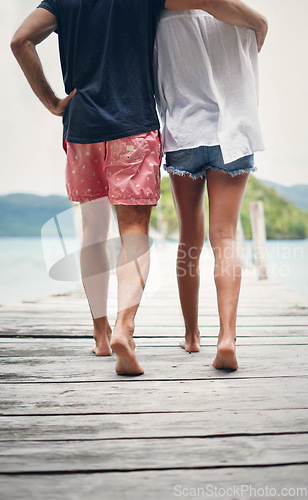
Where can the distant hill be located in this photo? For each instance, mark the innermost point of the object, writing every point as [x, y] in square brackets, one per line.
[24, 214]
[297, 194]
[283, 219]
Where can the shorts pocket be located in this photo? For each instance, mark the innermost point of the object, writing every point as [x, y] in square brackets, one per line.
[129, 149]
[177, 155]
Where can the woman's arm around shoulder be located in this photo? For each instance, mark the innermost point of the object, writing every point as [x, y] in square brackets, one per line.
[229, 11]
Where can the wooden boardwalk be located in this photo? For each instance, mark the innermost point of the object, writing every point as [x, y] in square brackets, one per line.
[70, 428]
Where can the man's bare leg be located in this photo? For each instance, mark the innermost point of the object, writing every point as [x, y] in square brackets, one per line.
[188, 195]
[226, 195]
[132, 272]
[95, 269]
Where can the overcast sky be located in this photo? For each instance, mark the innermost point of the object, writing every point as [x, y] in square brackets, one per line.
[32, 156]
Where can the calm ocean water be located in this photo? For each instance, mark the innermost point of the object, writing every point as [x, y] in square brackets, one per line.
[24, 276]
[23, 271]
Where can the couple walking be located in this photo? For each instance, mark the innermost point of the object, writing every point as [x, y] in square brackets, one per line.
[199, 59]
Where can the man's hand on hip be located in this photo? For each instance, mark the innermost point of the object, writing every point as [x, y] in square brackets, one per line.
[62, 104]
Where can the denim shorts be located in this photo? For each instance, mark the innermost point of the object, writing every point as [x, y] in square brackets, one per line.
[195, 162]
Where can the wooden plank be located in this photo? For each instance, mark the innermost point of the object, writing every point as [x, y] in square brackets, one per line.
[167, 293]
[60, 323]
[63, 407]
[47, 330]
[55, 346]
[150, 319]
[243, 483]
[212, 341]
[134, 454]
[147, 425]
[33, 347]
[124, 395]
[160, 364]
[165, 304]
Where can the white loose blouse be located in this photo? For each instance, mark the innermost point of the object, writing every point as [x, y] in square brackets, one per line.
[206, 84]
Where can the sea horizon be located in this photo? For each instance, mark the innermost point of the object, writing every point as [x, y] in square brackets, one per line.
[25, 278]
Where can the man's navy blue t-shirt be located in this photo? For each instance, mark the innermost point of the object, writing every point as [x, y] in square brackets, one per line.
[106, 49]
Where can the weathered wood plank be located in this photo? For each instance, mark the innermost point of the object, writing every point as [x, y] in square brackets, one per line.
[243, 483]
[160, 363]
[154, 320]
[77, 331]
[146, 425]
[108, 418]
[35, 347]
[125, 395]
[166, 305]
[132, 454]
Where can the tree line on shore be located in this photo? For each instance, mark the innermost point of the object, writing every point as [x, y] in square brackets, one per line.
[24, 215]
[283, 219]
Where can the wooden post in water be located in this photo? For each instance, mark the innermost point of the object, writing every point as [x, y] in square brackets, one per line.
[259, 237]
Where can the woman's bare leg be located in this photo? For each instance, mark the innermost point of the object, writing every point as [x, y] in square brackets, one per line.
[188, 195]
[225, 200]
[95, 269]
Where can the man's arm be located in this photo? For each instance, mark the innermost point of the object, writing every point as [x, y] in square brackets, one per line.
[229, 11]
[38, 26]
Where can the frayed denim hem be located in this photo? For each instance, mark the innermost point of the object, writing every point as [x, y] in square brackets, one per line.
[183, 173]
[233, 173]
[199, 175]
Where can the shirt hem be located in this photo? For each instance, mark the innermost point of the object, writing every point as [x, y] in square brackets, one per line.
[113, 137]
[172, 149]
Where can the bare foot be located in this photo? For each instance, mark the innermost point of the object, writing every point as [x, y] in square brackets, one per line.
[226, 356]
[124, 347]
[102, 341]
[191, 342]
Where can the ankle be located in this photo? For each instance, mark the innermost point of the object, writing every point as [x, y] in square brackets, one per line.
[101, 324]
[125, 326]
[192, 333]
[227, 335]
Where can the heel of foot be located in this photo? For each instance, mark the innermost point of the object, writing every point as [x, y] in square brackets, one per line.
[226, 358]
[120, 347]
[190, 347]
[127, 363]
